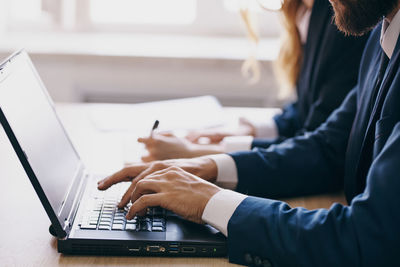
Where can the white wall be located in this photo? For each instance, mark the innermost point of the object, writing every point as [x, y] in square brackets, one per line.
[132, 79]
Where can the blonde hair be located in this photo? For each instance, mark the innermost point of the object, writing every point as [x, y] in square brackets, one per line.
[288, 64]
[251, 66]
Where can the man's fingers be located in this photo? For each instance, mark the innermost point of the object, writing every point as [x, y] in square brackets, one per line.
[153, 168]
[145, 201]
[145, 186]
[125, 199]
[127, 196]
[124, 175]
[113, 179]
[147, 158]
[141, 186]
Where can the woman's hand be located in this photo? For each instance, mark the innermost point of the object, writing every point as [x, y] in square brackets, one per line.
[167, 146]
[217, 134]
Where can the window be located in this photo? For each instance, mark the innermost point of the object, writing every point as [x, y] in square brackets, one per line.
[188, 17]
[143, 12]
[28, 13]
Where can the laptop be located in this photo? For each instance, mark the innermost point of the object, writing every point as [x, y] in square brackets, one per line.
[84, 220]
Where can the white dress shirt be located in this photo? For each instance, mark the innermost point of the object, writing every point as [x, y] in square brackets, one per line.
[390, 34]
[267, 128]
[222, 205]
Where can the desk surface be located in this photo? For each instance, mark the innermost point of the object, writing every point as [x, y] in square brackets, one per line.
[25, 240]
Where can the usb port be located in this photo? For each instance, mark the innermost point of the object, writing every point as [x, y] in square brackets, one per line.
[173, 245]
[188, 250]
[173, 250]
[134, 249]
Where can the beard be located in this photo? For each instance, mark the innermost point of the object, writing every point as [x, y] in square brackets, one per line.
[357, 17]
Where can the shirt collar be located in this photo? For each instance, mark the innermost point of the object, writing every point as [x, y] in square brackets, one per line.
[303, 22]
[390, 33]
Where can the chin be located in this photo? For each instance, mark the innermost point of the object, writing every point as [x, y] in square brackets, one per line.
[357, 17]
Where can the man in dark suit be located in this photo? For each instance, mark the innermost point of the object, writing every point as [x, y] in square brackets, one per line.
[357, 148]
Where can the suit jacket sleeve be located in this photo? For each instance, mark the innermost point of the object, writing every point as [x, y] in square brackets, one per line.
[266, 142]
[313, 163]
[288, 122]
[362, 234]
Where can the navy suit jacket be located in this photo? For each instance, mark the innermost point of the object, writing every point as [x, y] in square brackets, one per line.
[328, 72]
[350, 150]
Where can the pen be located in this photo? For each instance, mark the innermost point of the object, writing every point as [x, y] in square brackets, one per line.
[155, 126]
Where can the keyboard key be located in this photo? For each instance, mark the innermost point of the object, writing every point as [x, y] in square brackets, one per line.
[131, 221]
[88, 227]
[158, 224]
[104, 227]
[145, 226]
[157, 229]
[144, 219]
[118, 221]
[130, 227]
[107, 212]
[118, 227]
[108, 209]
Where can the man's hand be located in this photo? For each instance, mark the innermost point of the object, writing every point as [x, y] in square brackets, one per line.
[202, 167]
[173, 189]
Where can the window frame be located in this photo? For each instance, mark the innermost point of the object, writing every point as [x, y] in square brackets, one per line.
[68, 16]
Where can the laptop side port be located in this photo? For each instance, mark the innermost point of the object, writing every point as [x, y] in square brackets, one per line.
[134, 249]
[188, 250]
[173, 245]
[155, 249]
[173, 250]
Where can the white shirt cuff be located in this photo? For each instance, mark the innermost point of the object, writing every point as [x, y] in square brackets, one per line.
[220, 209]
[237, 143]
[265, 128]
[227, 176]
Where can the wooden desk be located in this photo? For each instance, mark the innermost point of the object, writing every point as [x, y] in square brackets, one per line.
[24, 237]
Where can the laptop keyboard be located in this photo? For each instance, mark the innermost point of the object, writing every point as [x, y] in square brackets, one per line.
[102, 213]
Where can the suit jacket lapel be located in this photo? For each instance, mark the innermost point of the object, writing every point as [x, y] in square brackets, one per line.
[366, 150]
[359, 129]
[317, 22]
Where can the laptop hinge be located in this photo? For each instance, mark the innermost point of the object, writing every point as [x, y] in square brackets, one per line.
[71, 202]
[71, 217]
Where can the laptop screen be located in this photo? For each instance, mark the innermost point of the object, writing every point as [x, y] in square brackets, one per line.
[29, 111]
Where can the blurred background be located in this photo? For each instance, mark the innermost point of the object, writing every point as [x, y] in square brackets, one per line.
[130, 51]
